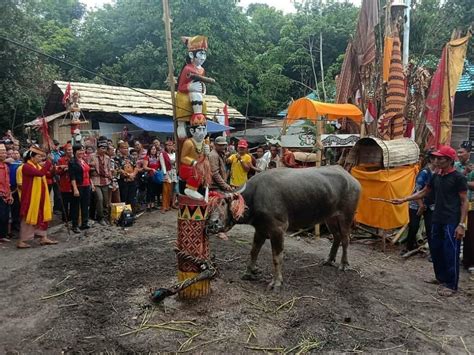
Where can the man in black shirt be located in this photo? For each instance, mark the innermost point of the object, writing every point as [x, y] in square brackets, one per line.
[449, 189]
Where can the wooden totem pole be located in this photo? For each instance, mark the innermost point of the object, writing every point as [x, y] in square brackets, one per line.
[189, 108]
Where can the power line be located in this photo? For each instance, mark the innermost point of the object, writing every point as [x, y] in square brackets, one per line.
[37, 51]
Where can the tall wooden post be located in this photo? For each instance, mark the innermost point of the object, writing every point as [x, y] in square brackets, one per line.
[171, 81]
[317, 231]
[192, 242]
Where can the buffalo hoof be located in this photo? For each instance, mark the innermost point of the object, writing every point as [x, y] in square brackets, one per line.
[274, 286]
[344, 267]
[329, 263]
[250, 276]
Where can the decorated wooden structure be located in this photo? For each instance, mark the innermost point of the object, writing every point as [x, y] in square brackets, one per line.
[194, 169]
[386, 170]
[192, 245]
[379, 154]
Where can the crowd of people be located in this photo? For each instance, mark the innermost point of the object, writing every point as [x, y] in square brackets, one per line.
[79, 183]
[85, 181]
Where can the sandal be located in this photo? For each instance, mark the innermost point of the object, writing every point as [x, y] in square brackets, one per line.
[445, 292]
[432, 281]
[23, 245]
[47, 241]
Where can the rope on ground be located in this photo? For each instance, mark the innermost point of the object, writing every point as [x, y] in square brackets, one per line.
[209, 271]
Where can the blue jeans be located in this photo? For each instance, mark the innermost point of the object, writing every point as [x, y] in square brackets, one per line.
[445, 250]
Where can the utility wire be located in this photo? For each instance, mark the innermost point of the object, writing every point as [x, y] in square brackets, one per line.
[37, 51]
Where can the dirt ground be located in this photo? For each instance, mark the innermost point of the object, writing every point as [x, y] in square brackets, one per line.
[382, 305]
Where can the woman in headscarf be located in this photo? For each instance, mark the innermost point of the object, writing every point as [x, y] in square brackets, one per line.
[35, 209]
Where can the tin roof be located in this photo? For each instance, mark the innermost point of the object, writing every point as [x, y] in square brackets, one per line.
[467, 79]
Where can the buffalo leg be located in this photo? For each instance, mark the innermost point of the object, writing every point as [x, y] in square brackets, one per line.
[345, 234]
[276, 239]
[333, 226]
[252, 270]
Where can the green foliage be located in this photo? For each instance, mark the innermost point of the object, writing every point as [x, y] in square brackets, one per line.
[260, 57]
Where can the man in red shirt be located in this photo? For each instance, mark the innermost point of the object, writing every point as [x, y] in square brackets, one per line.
[5, 195]
[65, 187]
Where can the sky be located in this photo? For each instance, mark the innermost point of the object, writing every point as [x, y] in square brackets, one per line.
[285, 5]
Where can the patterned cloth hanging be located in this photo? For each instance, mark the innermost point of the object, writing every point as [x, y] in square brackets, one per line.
[396, 93]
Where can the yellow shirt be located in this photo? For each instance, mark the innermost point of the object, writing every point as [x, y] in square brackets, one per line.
[238, 176]
[19, 179]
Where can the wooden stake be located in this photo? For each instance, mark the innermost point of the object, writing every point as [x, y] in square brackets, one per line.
[171, 81]
[399, 234]
[317, 230]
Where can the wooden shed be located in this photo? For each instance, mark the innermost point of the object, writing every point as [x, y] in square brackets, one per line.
[377, 153]
[106, 104]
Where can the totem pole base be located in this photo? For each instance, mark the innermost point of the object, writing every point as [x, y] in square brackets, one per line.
[192, 245]
[199, 289]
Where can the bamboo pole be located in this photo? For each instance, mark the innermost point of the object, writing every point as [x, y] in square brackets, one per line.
[319, 155]
[171, 81]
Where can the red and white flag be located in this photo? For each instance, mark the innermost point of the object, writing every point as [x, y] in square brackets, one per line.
[370, 113]
[226, 120]
[67, 94]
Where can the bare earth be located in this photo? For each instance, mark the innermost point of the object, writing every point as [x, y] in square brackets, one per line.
[382, 305]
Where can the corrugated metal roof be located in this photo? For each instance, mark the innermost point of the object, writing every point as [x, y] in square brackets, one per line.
[467, 79]
[117, 99]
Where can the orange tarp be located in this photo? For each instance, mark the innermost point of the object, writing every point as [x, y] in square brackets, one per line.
[305, 108]
[388, 184]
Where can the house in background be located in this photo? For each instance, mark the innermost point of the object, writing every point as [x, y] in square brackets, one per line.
[463, 121]
[107, 109]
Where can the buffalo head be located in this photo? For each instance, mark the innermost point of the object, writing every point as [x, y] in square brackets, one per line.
[225, 211]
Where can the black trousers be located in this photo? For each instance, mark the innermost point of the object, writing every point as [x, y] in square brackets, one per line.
[153, 191]
[67, 201]
[468, 242]
[128, 192]
[4, 216]
[57, 197]
[81, 202]
[15, 211]
[414, 225]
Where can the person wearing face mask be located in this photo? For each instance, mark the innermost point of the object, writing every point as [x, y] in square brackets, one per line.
[35, 209]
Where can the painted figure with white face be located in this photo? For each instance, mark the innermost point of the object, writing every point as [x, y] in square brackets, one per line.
[194, 168]
[192, 84]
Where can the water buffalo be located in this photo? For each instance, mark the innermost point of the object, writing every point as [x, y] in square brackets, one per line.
[281, 200]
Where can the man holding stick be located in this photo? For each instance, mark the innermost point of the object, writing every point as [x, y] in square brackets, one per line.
[449, 189]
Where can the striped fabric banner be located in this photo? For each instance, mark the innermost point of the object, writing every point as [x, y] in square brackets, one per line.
[396, 94]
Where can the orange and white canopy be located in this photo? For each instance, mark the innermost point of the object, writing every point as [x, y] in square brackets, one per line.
[305, 108]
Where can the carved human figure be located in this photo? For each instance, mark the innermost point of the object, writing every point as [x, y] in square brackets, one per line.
[194, 168]
[192, 84]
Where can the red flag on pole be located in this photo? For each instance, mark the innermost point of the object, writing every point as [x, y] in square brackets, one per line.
[370, 113]
[67, 94]
[226, 119]
[434, 100]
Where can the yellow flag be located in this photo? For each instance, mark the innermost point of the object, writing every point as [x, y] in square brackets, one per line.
[456, 54]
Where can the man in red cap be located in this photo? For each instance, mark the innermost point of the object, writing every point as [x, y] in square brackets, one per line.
[240, 164]
[449, 188]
